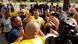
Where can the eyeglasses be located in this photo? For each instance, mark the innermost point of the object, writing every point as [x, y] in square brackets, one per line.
[21, 12]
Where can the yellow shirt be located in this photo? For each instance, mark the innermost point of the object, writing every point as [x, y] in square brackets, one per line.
[38, 40]
[40, 21]
[15, 13]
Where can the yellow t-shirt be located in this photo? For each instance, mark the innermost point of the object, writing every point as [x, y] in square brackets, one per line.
[15, 13]
[40, 21]
[38, 40]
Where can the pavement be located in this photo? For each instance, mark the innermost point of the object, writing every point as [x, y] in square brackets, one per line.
[2, 38]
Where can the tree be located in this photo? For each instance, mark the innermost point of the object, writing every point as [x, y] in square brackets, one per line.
[54, 0]
[31, 0]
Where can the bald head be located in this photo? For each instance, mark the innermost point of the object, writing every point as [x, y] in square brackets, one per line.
[32, 28]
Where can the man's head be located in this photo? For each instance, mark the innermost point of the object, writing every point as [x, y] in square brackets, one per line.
[36, 13]
[54, 8]
[22, 12]
[7, 14]
[32, 29]
[47, 12]
[16, 21]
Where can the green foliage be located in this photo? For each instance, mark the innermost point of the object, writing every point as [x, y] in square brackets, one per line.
[40, 0]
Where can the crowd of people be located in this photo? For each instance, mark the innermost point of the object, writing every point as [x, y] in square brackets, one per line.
[39, 24]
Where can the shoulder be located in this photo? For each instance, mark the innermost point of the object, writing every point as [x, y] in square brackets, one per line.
[50, 35]
[14, 30]
[27, 41]
[40, 18]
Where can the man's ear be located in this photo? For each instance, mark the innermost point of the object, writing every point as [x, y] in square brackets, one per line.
[36, 33]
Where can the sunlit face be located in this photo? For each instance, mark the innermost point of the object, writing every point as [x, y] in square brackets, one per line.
[6, 14]
[17, 22]
[36, 13]
[47, 12]
[47, 19]
[22, 13]
[51, 18]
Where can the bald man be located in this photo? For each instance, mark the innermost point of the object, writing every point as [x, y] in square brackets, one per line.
[32, 36]
[32, 27]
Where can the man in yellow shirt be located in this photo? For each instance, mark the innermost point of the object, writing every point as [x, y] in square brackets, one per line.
[39, 19]
[31, 34]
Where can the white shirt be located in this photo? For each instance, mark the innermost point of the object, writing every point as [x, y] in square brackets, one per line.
[7, 25]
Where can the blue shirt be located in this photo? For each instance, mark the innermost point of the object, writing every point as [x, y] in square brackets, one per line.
[13, 35]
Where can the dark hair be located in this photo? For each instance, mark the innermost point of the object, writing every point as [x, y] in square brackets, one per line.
[45, 10]
[12, 19]
[45, 7]
[0, 16]
[31, 10]
[1, 5]
[51, 3]
[12, 9]
[70, 15]
[6, 13]
[36, 6]
[34, 9]
[41, 6]
[47, 30]
[50, 40]
[53, 27]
